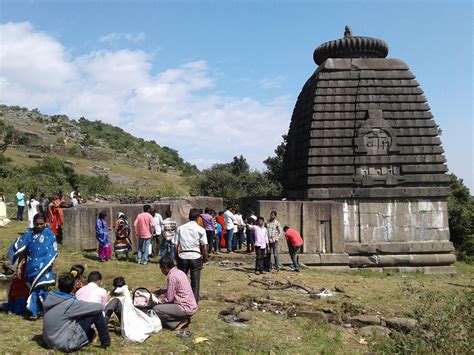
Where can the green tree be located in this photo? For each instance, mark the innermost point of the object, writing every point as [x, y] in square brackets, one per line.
[232, 181]
[275, 172]
[461, 217]
[7, 136]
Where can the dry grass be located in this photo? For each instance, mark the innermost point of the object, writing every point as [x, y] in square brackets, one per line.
[268, 332]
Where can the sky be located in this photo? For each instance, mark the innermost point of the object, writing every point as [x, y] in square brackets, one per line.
[218, 79]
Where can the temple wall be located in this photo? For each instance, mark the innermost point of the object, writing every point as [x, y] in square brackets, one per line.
[79, 222]
[395, 221]
[402, 235]
[319, 223]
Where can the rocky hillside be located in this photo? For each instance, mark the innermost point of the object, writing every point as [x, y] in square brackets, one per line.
[94, 148]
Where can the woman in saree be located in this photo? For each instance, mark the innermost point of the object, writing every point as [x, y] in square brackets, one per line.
[102, 235]
[122, 244]
[39, 248]
[55, 218]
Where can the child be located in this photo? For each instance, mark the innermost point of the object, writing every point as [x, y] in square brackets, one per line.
[115, 300]
[261, 243]
[76, 272]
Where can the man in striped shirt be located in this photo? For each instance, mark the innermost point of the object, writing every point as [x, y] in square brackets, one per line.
[178, 304]
[275, 231]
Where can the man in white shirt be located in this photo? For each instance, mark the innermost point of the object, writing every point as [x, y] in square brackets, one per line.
[158, 230]
[190, 243]
[229, 224]
[92, 292]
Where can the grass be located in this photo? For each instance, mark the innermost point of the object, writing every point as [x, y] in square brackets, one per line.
[268, 332]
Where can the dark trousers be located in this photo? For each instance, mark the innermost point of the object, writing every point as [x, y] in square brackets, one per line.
[211, 235]
[19, 213]
[98, 320]
[250, 240]
[114, 306]
[194, 267]
[260, 253]
[293, 251]
[238, 239]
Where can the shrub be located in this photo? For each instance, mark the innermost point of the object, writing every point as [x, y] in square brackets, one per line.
[445, 326]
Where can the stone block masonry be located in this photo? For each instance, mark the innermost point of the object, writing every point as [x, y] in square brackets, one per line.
[79, 222]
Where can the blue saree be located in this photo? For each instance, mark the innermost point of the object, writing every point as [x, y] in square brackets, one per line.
[40, 250]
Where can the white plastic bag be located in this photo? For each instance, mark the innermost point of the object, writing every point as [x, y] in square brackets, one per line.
[137, 325]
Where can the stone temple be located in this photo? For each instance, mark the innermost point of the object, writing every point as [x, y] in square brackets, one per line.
[366, 178]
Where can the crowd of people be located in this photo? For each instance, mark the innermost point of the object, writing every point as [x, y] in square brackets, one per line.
[79, 312]
[50, 208]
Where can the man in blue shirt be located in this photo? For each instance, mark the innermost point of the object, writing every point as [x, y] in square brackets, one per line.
[20, 203]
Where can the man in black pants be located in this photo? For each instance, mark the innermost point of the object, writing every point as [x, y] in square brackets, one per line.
[67, 324]
[191, 249]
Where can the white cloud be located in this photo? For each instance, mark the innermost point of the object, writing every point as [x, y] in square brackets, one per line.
[177, 107]
[272, 83]
[115, 37]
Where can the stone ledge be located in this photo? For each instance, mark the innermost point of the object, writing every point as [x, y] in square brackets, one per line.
[399, 248]
[401, 260]
[318, 259]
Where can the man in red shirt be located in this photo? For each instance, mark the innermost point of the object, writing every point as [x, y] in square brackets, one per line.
[144, 228]
[294, 240]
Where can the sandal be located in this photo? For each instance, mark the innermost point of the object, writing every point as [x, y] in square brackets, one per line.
[185, 334]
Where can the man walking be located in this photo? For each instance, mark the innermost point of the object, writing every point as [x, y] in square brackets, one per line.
[191, 249]
[295, 242]
[275, 231]
[144, 228]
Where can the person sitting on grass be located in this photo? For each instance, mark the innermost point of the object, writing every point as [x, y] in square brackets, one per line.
[68, 322]
[92, 292]
[77, 271]
[178, 305]
[114, 306]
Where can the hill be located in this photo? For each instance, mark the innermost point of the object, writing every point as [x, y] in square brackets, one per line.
[96, 152]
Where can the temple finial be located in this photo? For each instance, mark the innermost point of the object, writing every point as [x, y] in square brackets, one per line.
[347, 31]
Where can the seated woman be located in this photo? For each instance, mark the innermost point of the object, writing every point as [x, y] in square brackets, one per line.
[39, 248]
[17, 293]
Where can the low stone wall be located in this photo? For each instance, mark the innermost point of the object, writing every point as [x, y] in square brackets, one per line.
[79, 222]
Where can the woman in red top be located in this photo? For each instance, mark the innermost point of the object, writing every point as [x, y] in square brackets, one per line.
[220, 220]
[294, 240]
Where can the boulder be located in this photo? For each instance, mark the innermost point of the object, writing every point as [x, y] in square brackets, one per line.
[402, 324]
[371, 330]
[365, 320]
[245, 316]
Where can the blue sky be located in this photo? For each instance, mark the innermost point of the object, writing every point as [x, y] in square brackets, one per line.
[215, 79]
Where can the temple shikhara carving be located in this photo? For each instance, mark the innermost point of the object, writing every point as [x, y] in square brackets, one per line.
[366, 178]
